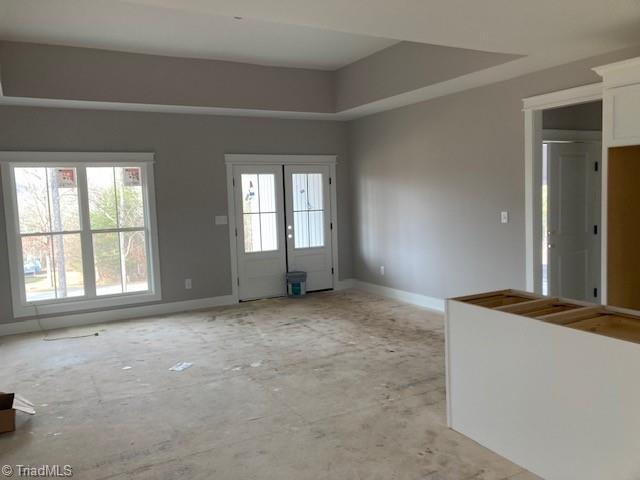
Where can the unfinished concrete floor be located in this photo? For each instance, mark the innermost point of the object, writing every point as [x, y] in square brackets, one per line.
[333, 386]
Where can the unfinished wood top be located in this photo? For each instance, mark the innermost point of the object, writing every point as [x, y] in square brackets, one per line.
[498, 298]
[540, 307]
[527, 306]
[566, 317]
[609, 321]
[616, 326]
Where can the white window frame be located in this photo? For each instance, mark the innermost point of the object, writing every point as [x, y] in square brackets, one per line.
[145, 161]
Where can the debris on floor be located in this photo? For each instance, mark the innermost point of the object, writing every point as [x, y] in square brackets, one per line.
[216, 405]
[180, 366]
[126, 368]
[9, 404]
[72, 337]
[22, 404]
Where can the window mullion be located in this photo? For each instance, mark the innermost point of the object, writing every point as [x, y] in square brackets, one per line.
[118, 230]
[86, 240]
[52, 267]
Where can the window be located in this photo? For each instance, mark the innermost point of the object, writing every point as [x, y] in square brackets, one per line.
[259, 212]
[81, 230]
[116, 213]
[49, 224]
[308, 210]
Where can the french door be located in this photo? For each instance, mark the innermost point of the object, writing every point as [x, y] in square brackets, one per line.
[283, 223]
[308, 215]
[260, 243]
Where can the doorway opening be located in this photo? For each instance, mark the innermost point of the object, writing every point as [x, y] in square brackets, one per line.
[570, 196]
[282, 211]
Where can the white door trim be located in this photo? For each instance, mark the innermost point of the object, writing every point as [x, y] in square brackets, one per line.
[552, 135]
[232, 159]
[532, 108]
[253, 159]
[563, 98]
[231, 216]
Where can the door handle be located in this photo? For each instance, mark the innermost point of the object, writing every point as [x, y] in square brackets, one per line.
[551, 245]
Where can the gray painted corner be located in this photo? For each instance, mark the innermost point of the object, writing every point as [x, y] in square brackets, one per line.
[36, 71]
[430, 181]
[71, 73]
[407, 66]
[420, 188]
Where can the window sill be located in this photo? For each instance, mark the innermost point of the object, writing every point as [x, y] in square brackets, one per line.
[40, 309]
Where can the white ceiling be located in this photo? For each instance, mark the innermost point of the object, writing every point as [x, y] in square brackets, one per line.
[127, 26]
[510, 26]
[304, 33]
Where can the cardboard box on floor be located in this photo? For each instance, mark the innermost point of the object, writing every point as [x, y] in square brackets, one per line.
[9, 403]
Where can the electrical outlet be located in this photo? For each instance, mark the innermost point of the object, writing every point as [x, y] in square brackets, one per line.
[504, 217]
[382, 270]
[187, 284]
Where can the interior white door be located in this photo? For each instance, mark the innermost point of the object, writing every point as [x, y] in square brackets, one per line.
[308, 204]
[260, 243]
[574, 220]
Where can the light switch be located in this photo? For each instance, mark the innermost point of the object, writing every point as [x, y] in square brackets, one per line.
[504, 217]
[221, 220]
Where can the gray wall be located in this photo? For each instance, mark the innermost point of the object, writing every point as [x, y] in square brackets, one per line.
[430, 180]
[407, 66]
[586, 116]
[59, 72]
[190, 178]
[46, 71]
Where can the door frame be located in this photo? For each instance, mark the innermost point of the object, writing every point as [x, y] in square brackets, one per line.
[232, 159]
[533, 136]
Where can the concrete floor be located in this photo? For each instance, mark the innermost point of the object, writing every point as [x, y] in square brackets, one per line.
[333, 386]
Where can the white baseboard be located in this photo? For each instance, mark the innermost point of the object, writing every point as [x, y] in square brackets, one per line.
[77, 319]
[431, 303]
[344, 284]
